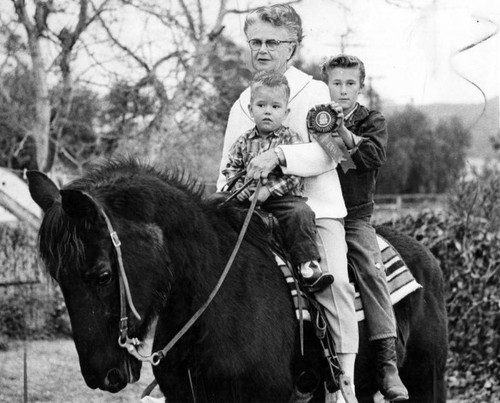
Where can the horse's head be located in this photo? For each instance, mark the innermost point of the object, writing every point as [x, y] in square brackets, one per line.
[77, 249]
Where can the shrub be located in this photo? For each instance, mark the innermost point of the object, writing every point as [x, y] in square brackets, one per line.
[466, 241]
[12, 318]
[30, 306]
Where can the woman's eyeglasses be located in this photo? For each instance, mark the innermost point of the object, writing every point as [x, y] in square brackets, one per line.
[271, 44]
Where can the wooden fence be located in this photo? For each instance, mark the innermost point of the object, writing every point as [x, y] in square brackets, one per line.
[396, 204]
[392, 206]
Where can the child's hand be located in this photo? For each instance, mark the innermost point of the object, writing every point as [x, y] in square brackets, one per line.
[244, 195]
[263, 195]
[340, 114]
[347, 137]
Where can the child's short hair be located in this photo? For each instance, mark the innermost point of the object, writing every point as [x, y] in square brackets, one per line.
[269, 79]
[345, 61]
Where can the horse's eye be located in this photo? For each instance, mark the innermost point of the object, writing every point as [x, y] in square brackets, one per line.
[104, 278]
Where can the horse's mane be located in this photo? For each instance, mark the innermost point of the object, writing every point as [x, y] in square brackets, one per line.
[59, 243]
[108, 172]
[124, 188]
[59, 239]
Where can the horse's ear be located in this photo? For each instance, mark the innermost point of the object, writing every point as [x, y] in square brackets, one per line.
[78, 204]
[42, 190]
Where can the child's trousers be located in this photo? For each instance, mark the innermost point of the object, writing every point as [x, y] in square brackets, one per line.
[365, 257]
[298, 227]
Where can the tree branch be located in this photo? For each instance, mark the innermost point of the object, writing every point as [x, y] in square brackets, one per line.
[192, 29]
[126, 49]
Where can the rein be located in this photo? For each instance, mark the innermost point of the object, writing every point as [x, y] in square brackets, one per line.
[131, 344]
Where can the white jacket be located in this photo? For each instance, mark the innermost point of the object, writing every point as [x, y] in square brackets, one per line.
[321, 186]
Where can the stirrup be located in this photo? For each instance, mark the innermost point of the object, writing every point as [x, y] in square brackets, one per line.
[336, 377]
[320, 284]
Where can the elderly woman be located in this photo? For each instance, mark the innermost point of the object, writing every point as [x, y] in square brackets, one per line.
[273, 34]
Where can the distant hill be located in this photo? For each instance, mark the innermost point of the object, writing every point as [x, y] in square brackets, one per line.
[481, 130]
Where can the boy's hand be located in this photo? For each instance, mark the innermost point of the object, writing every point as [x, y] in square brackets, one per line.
[244, 195]
[344, 133]
[340, 114]
[263, 195]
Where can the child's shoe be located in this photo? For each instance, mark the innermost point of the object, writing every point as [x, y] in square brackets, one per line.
[313, 278]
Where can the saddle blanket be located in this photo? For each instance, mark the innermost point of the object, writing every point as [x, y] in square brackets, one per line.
[399, 278]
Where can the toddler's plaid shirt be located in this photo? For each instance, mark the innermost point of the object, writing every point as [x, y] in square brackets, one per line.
[251, 144]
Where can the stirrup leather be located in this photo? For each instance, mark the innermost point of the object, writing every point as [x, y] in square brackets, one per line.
[337, 379]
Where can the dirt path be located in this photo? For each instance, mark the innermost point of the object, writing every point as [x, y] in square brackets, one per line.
[54, 376]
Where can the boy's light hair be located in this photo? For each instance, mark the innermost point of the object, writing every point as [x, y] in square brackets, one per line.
[279, 15]
[344, 61]
[269, 79]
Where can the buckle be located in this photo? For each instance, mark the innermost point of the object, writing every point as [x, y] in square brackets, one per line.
[115, 239]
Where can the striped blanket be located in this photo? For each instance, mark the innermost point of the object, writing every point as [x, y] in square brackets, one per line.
[399, 278]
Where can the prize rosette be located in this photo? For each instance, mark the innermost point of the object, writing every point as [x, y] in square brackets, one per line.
[322, 126]
[322, 119]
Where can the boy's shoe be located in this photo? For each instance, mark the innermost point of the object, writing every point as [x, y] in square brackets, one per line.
[313, 278]
[388, 379]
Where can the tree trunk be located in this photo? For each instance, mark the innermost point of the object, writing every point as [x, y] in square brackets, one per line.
[34, 30]
[41, 126]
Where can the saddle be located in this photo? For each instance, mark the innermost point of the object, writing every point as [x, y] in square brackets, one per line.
[400, 280]
[401, 283]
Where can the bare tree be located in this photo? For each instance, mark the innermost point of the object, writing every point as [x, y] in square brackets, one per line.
[46, 127]
[184, 71]
[179, 64]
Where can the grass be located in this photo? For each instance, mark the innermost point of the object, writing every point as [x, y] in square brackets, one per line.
[54, 376]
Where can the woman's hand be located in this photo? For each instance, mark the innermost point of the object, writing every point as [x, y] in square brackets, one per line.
[262, 165]
[244, 195]
[263, 195]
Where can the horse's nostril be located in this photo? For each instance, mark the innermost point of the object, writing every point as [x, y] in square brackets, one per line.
[113, 378]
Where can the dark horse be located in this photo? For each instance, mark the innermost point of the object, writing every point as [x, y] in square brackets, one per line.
[175, 245]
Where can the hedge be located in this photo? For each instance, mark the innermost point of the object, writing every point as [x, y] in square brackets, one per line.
[465, 238]
[31, 304]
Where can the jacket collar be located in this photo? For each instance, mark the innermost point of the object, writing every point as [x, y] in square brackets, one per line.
[359, 114]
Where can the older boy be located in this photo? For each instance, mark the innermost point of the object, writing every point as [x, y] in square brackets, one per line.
[364, 133]
[282, 194]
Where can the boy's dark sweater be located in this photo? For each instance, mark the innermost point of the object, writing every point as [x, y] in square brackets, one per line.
[358, 185]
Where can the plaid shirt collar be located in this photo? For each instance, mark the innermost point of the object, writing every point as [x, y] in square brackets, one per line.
[254, 133]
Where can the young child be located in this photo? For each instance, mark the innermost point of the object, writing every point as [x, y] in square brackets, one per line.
[281, 194]
[364, 133]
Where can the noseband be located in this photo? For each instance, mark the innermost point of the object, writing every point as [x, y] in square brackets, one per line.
[132, 344]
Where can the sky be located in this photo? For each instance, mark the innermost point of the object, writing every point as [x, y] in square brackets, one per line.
[410, 54]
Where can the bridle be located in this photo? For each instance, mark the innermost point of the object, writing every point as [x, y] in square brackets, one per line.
[132, 344]
[125, 295]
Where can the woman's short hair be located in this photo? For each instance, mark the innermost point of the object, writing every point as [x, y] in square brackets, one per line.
[279, 15]
[269, 79]
[344, 61]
